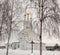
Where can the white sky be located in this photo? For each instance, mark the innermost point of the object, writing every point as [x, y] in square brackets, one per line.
[58, 1]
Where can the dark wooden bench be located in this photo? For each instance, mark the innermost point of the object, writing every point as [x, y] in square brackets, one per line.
[56, 47]
[2, 47]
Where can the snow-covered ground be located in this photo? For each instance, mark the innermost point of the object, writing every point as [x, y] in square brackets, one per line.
[28, 52]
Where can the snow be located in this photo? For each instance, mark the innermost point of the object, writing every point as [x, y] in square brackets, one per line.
[58, 1]
[28, 52]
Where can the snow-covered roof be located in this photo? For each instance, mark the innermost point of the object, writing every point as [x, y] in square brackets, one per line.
[13, 37]
[31, 35]
[2, 44]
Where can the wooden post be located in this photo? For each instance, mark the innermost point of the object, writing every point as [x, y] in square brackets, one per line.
[32, 46]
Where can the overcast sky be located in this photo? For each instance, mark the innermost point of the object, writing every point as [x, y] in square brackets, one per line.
[58, 1]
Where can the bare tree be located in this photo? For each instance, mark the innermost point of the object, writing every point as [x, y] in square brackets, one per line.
[47, 11]
[1, 21]
[51, 15]
[9, 22]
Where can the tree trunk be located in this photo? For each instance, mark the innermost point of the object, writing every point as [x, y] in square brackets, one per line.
[9, 24]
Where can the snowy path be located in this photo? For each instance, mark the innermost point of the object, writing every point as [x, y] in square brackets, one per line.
[22, 52]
